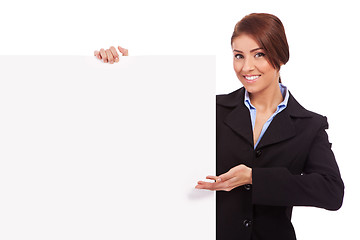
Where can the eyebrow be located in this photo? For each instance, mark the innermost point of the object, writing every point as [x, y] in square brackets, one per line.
[253, 50]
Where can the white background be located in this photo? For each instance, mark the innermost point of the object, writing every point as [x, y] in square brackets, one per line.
[322, 72]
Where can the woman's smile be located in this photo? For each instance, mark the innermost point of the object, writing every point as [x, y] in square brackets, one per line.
[251, 78]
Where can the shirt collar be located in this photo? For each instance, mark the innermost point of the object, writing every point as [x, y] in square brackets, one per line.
[284, 91]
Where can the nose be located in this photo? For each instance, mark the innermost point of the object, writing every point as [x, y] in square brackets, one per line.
[248, 65]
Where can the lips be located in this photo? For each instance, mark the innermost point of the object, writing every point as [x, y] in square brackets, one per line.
[251, 78]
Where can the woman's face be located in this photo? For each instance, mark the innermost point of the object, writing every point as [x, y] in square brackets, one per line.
[251, 66]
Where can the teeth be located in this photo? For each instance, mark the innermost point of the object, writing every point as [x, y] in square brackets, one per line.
[251, 78]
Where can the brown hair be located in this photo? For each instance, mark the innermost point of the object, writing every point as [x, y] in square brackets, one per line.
[269, 33]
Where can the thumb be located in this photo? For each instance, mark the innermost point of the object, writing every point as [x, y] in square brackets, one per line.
[124, 51]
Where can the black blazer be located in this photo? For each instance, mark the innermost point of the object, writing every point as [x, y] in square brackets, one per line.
[293, 165]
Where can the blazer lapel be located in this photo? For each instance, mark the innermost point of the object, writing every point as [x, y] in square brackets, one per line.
[239, 118]
[282, 127]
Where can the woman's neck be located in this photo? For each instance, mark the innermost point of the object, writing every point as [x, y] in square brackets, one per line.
[268, 99]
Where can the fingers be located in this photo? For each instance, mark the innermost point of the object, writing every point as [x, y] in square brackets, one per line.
[110, 55]
[218, 186]
[114, 53]
[215, 178]
[206, 185]
[214, 186]
[103, 55]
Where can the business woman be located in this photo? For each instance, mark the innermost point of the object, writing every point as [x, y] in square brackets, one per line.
[271, 153]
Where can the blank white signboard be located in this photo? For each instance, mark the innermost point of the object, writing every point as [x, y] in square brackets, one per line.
[97, 151]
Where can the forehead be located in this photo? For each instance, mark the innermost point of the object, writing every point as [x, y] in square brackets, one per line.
[244, 43]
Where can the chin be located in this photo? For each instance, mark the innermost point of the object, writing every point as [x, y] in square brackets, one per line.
[251, 89]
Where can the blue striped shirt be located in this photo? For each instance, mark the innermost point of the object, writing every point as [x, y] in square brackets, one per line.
[252, 109]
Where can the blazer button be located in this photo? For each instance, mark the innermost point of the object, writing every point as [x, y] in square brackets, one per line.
[258, 153]
[247, 186]
[247, 223]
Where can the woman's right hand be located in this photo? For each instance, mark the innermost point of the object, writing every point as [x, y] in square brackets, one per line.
[110, 55]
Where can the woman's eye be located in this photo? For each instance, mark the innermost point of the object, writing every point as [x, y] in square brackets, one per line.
[260, 54]
[238, 56]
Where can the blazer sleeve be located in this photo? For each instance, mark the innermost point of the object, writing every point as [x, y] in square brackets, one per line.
[320, 184]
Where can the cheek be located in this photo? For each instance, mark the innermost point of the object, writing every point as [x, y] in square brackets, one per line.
[265, 67]
[237, 66]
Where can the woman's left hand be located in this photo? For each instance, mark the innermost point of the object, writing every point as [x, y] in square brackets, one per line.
[235, 177]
